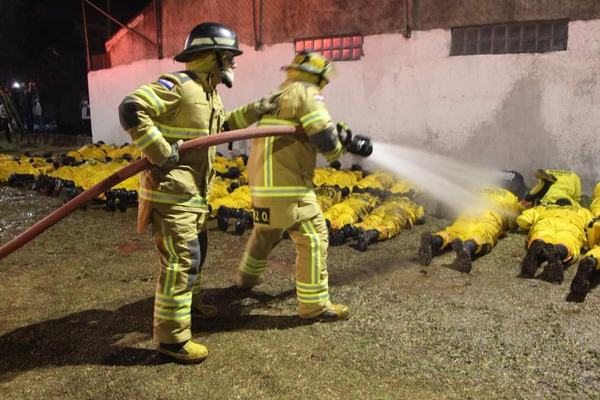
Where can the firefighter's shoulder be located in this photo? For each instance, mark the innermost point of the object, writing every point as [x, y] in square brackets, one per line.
[171, 80]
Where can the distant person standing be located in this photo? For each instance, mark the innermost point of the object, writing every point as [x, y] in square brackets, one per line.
[38, 119]
[85, 116]
[5, 122]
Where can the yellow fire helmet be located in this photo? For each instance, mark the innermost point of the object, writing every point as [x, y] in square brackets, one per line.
[313, 63]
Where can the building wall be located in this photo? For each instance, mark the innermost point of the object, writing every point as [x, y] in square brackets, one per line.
[517, 111]
[286, 20]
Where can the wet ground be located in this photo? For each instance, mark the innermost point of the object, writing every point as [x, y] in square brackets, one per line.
[76, 308]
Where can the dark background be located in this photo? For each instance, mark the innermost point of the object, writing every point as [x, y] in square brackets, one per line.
[43, 41]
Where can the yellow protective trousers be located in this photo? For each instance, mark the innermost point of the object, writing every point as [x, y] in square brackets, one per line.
[306, 226]
[482, 229]
[181, 241]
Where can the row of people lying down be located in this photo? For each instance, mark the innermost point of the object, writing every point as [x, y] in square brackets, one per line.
[559, 229]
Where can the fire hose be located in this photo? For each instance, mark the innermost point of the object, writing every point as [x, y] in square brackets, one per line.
[132, 169]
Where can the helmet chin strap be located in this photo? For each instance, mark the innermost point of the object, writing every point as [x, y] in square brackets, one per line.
[225, 74]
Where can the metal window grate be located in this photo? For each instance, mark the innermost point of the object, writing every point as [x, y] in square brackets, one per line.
[521, 37]
[336, 48]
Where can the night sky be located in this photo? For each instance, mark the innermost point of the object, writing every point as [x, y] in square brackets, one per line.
[43, 41]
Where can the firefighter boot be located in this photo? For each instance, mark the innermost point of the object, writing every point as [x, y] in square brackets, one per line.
[204, 311]
[581, 283]
[553, 272]
[462, 262]
[246, 281]
[364, 238]
[532, 259]
[188, 352]
[425, 249]
[331, 312]
[223, 218]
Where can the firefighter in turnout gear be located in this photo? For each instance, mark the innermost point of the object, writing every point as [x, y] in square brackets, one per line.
[473, 234]
[174, 192]
[588, 266]
[556, 235]
[281, 171]
[554, 186]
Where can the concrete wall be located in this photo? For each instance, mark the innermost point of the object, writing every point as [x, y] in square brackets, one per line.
[520, 111]
[286, 20]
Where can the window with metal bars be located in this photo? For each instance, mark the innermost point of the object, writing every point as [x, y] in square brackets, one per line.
[336, 48]
[518, 37]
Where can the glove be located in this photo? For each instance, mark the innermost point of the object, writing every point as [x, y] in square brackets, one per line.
[173, 159]
[268, 104]
[344, 133]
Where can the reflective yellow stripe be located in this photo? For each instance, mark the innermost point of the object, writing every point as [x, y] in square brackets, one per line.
[307, 288]
[276, 121]
[315, 251]
[173, 316]
[147, 99]
[151, 136]
[320, 298]
[180, 300]
[157, 101]
[331, 155]
[313, 117]
[176, 132]
[252, 266]
[194, 201]
[268, 161]
[282, 191]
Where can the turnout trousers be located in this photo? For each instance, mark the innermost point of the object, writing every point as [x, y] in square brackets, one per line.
[304, 222]
[181, 241]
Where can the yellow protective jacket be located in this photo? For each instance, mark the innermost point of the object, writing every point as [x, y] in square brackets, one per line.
[556, 224]
[353, 209]
[593, 229]
[328, 176]
[567, 185]
[393, 215]
[377, 180]
[283, 167]
[488, 225]
[182, 105]
[328, 196]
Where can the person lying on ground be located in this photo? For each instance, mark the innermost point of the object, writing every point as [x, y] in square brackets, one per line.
[473, 234]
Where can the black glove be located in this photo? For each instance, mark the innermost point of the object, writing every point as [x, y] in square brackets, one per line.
[359, 145]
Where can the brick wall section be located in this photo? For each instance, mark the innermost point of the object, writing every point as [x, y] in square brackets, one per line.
[180, 16]
[431, 14]
[286, 20]
[126, 47]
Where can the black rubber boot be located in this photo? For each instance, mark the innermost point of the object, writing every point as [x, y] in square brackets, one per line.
[223, 218]
[243, 222]
[553, 272]
[364, 238]
[581, 283]
[532, 259]
[462, 262]
[430, 246]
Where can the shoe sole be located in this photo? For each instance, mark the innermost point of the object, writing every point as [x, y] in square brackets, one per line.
[580, 285]
[463, 262]
[530, 263]
[180, 358]
[425, 254]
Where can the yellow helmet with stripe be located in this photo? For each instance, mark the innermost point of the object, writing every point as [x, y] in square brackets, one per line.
[313, 63]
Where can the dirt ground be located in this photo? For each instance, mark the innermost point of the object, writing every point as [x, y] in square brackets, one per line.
[76, 308]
